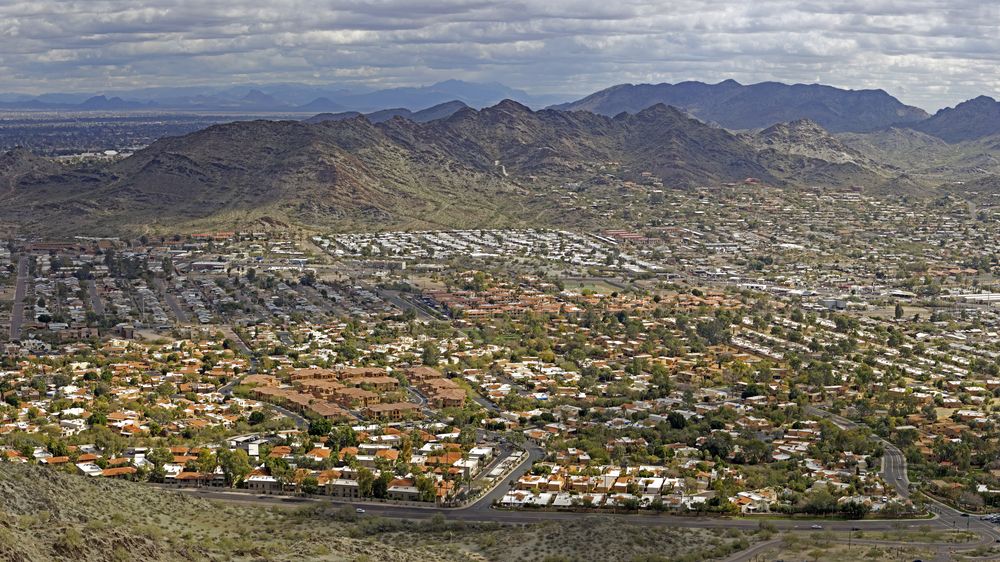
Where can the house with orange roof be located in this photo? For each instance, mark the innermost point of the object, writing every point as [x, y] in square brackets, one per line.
[319, 454]
[122, 472]
[387, 454]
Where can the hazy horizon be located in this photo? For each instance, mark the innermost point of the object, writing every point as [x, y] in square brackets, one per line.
[930, 54]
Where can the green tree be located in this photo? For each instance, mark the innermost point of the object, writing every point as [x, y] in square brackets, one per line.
[310, 485]
[235, 466]
[206, 462]
[719, 444]
[425, 484]
[366, 481]
[320, 426]
[430, 354]
[380, 487]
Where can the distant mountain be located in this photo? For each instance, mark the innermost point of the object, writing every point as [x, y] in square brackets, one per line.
[259, 100]
[736, 106]
[473, 168]
[104, 103]
[93, 103]
[321, 105]
[439, 111]
[321, 117]
[472, 94]
[969, 120]
[280, 98]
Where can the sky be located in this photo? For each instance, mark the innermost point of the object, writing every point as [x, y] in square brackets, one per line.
[929, 53]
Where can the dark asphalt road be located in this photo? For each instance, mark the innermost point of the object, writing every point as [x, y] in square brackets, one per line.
[95, 299]
[17, 312]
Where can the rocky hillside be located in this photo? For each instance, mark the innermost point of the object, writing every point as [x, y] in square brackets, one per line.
[736, 106]
[21, 167]
[806, 138]
[47, 515]
[929, 158]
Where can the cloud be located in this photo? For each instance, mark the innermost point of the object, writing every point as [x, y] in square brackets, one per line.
[927, 52]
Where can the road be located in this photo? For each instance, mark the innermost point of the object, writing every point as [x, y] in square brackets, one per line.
[404, 304]
[894, 470]
[893, 462]
[95, 299]
[481, 511]
[179, 313]
[489, 406]
[615, 282]
[484, 504]
[227, 389]
[421, 400]
[894, 473]
[17, 311]
[951, 518]
[300, 422]
[242, 347]
[231, 334]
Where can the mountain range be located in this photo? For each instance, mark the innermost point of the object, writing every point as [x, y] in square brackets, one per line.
[735, 106]
[452, 165]
[469, 168]
[970, 120]
[432, 113]
[276, 98]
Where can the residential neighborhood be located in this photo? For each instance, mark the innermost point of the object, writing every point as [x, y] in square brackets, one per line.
[714, 360]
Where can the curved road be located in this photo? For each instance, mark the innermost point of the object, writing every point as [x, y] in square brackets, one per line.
[893, 462]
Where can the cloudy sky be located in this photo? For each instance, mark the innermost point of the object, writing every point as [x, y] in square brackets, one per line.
[929, 53]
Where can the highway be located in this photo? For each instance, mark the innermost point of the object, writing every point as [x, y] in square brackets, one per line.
[483, 510]
[17, 311]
